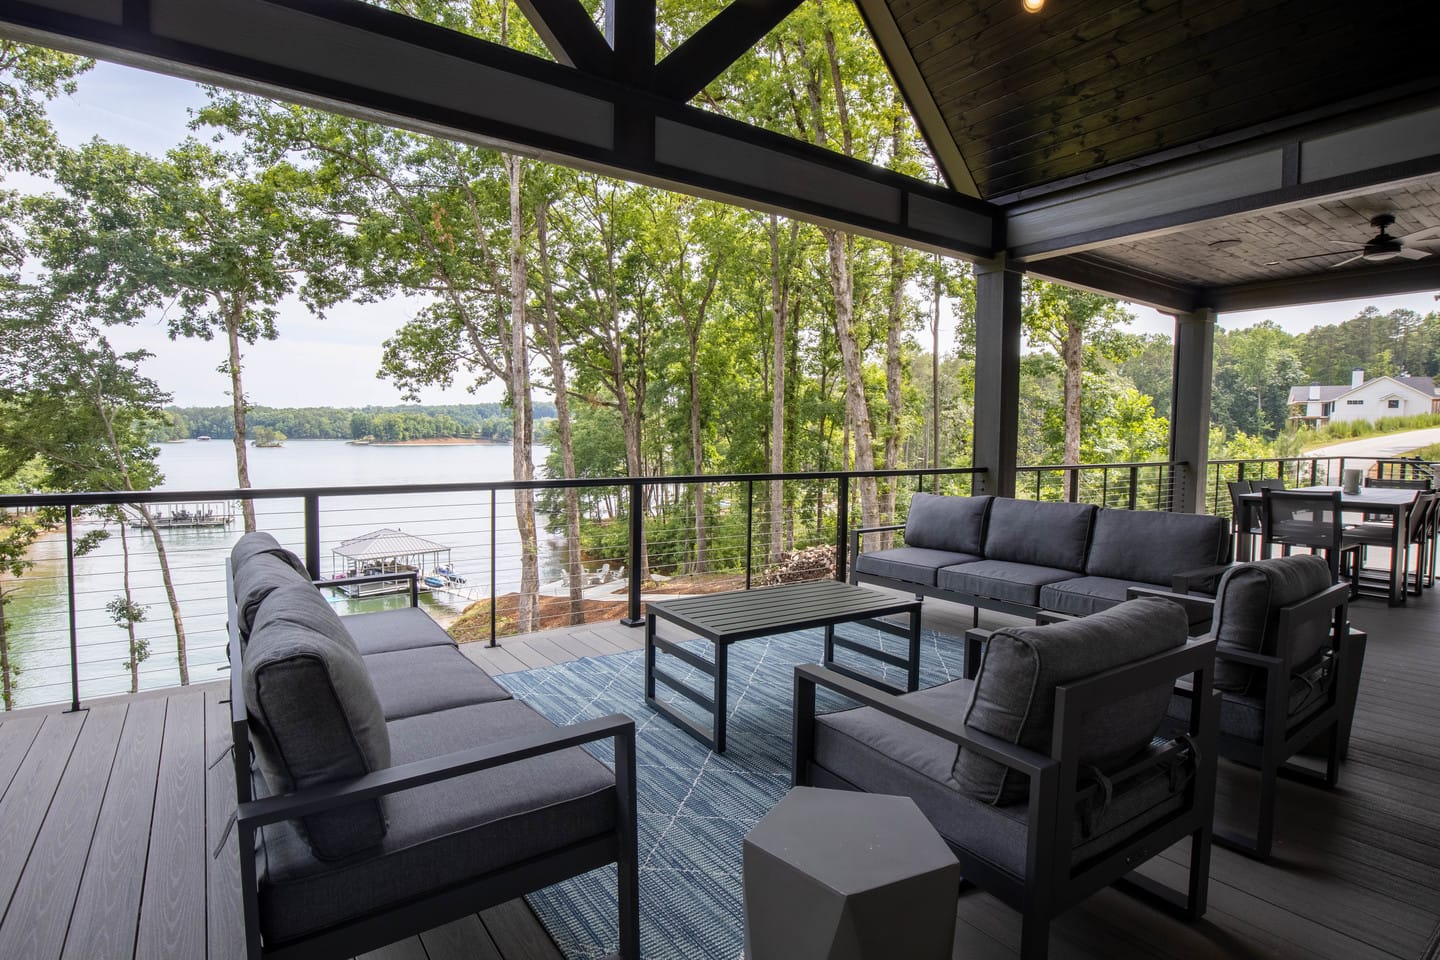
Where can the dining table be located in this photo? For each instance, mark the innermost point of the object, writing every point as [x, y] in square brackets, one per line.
[1392, 504]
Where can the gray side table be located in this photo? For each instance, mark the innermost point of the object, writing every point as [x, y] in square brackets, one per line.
[838, 875]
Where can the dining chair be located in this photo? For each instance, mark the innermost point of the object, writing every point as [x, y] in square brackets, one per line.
[1308, 518]
[1244, 518]
[1419, 527]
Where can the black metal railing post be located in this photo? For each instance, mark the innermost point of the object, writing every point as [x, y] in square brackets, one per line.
[637, 533]
[1134, 487]
[312, 535]
[749, 530]
[494, 640]
[1072, 485]
[70, 599]
[842, 526]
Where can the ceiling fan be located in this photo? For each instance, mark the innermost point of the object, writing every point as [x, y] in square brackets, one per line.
[1382, 246]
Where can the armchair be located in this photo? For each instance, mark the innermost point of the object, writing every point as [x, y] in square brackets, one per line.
[1042, 774]
[1287, 668]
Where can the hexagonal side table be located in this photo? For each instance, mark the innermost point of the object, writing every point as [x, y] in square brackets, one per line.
[839, 875]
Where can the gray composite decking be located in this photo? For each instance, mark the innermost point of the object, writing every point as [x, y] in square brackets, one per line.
[110, 821]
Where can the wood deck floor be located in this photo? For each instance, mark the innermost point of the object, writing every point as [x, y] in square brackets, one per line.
[110, 820]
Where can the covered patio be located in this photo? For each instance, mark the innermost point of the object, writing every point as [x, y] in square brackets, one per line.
[117, 841]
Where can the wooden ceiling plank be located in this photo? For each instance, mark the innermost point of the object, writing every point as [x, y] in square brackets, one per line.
[1151, 71]
[1104, 148]
[1198, 103]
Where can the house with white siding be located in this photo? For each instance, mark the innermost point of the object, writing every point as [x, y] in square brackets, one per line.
[1318, 404]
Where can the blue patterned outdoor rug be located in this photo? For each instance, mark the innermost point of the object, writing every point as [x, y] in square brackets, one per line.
[695, 806]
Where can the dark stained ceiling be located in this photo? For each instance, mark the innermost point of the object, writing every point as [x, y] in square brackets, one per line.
[1083, 85]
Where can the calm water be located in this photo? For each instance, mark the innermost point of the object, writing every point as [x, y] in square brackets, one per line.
[37, 622]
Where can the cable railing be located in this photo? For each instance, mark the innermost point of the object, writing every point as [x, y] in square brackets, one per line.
[638, 538]
[1128, 486]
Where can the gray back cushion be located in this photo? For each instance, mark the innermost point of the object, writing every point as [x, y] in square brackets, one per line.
[1153, 546]
[254, 581]
[955, 524]
[314, 715]
[1045, 534]
[260, 542]
[1247, 608]
[1014, 695]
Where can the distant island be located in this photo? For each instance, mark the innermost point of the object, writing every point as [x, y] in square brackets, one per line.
[382, 426]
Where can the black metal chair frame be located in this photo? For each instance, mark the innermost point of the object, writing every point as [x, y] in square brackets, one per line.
[377, 929]
[1278, 744]
[1334, 545]
[1052, 883]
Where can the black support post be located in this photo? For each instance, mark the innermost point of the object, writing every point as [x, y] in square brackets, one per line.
[312, 535]
[842, 527]
[637, 532]
[997, 374]
[70, 599]
[1190, 407]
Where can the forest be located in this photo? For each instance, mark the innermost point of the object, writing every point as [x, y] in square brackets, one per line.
[634, 332]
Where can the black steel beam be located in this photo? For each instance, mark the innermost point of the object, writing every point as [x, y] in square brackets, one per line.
[630, 25]
[1332, 160]
[711, 49]
[354, 58]
[1352, 283]
[569, 34]
[1092, 273]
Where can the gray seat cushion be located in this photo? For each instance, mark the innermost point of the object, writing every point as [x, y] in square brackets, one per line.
[912, 564]
[1151, 546]
[1082, 596]
[880, 754]
[314, 715]
[444, 833]
[426, 679]
[261, 573]
[951, 524]
[1243, 717]
[1248, 598]
[1014, 697]
[1001, 580]
[1042, 534]
[404, 628]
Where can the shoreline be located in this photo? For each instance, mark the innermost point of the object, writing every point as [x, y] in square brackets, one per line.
[428, 442]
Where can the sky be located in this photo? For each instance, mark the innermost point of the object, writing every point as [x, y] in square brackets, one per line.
[332, 361]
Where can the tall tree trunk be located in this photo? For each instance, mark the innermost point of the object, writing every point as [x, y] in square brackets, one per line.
[779, 310]
[895, 320]
[181, 654]
[857, 408]
[522, 448]
[5, 689]
[573, 567]
[935, 374]
[697, 447]
[129, 601]
[233, 315]
[1072, 354]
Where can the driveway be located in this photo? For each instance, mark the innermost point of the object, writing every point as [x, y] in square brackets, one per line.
[1363, 453]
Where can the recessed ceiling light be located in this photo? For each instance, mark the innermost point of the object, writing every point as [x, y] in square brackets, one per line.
[1032, 6]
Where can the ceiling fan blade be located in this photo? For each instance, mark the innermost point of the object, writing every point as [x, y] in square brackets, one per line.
[1411, 254]
[1358, 256]
[1342, 243]
[1332, 253]
[1429, 233]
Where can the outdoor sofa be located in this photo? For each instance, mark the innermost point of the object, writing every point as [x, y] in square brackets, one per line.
[385, 784]
[1025, 556]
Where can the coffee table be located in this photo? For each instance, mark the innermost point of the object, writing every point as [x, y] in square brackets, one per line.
[726, 618]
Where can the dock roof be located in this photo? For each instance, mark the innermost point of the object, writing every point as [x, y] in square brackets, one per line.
[386, 543]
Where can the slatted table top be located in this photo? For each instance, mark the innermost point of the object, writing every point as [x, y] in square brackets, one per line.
[746, 614]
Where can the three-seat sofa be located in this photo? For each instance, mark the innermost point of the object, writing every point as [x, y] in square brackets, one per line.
[1024, 556]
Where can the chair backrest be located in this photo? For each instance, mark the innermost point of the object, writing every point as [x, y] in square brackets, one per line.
[1422, 516]
[1273, 483]
[1399, 483]
[1237, 506]
[1247, 617]
[1302, 518]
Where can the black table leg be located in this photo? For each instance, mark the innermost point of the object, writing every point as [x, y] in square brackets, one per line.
[722, 673]
[829, 644]
[912, 680]
[650, 657]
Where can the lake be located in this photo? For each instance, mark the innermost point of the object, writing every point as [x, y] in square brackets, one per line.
[37, 621]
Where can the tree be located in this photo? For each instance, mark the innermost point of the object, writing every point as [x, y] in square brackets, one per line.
[218, 237]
